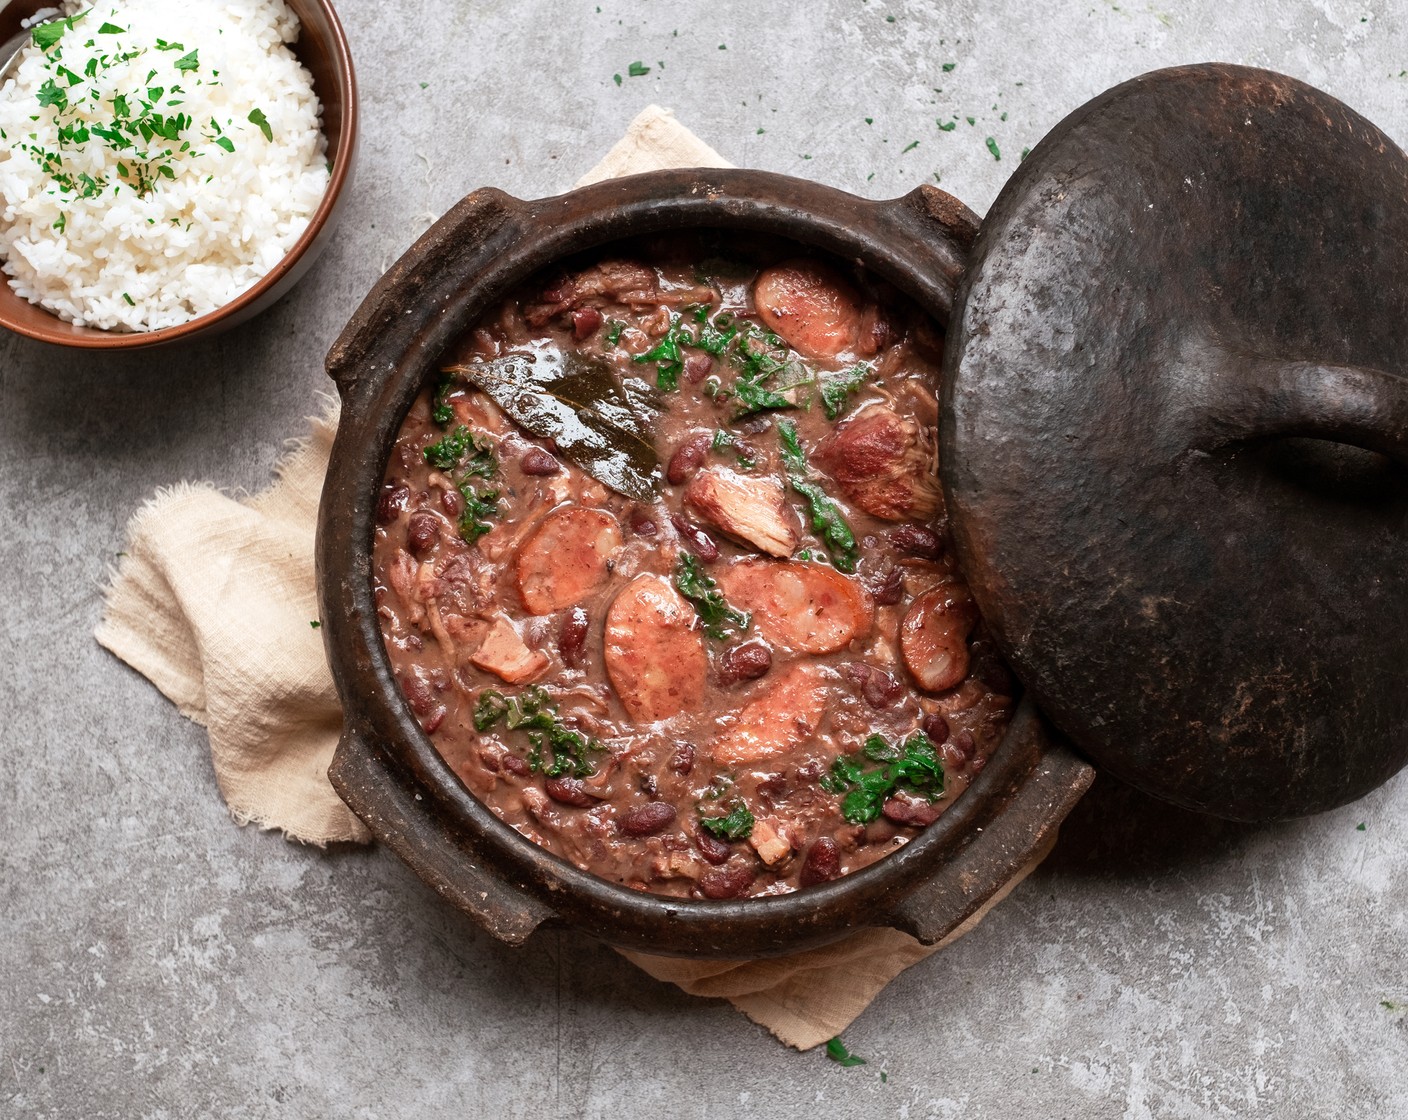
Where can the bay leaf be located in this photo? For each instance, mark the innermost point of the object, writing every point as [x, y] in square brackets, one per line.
[600, 422]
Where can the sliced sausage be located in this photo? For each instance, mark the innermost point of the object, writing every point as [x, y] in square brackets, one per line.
[934, 636]
[810, 608]
[566, 558]
[813, 308]
[655, 656]
[783, 717]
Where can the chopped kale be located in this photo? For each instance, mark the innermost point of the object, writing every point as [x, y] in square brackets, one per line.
[717, 617]
[479, 506]
[557, 750]
[736, 825]
[836, 388]
[440, 410]
[913, 765]
[827, 521]
[446, 454]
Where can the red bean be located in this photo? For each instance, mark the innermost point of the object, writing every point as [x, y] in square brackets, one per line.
[823, 863]
[963, 741]
[687, 459]
[745, 662]
[422, 531]
[419, 694]
[934, 726]
[911, 810]
[391, 503]
[434, 720]
[585, 321]
[569, 791]
[536, 461]
[644, 527]
[917, 540]
[696, 539]
[888, 588]
[682, 761]
[647, 819]
[881, 689]
[713, 849]
[732, 881]
[452, 503]
[697, 367]
[572, 638]
[515, 765]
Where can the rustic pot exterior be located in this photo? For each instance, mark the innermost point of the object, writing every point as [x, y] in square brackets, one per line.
[386, 767]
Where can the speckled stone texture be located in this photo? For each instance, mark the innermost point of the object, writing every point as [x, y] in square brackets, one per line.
[156, 961]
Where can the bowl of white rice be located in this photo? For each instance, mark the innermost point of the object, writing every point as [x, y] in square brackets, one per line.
[167, 167]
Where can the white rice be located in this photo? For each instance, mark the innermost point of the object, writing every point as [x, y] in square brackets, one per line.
[126, 260]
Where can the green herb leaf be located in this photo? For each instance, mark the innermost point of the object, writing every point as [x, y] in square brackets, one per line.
[836, 389]
[532, 711]
[163, 45]
[667, 358]
[440, 410]
[189, 61]
[479, 507]
[827, 521]
[637, 70]
[47, 34]
[315, 624]
[613, 333]
[225, 142]
[949, 67]
[51, 93]
[947, 126]
[736, 825]
[914, 766]
[446, 454]
[837, 1052]
[128, 298]
[992, 147]
[257, 117]
[909, 147]
[601, 424]
[616, 78]
[112, 29]
[713, 610]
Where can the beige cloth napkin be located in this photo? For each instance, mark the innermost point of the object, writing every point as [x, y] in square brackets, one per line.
[214, 604]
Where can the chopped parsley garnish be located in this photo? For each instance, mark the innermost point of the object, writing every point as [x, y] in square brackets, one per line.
[909, 147]
[913, 765]
[949, 67]
[717, 617]
[315, 624]
[736, 825]
[836, 389]
[724, 441]
[259, 120]
[189, 61]
[557, 750]
[637, 70]
[129, 300]
[827, 520]
[47, 34]
[766, 373]
[992, 147]
[613, 334]
[111, 29]
[947, 126]
[835, 1048]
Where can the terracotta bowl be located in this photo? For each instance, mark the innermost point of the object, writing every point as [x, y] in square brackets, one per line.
[322, 48]
[388, 770]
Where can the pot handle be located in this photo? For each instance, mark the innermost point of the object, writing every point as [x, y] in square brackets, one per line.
[983, 872]
[390, 805]
[1253, 397]
[476, 228]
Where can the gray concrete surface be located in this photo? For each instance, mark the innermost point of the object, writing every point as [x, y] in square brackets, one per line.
[156, 961]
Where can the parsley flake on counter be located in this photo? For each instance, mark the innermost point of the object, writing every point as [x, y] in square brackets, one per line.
[315, 624]
[992, 147]
[837, 1052]
[909, 147]
[637, 70]
[949, 67]
[947, 126]
[616, 78]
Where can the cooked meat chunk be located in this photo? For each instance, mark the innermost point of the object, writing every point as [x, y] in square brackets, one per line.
[885, 463]
[751, 510]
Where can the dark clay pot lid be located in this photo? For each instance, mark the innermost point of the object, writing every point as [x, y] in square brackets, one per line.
[1175, 436]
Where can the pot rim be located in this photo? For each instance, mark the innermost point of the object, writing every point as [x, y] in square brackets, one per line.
[480, 251]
